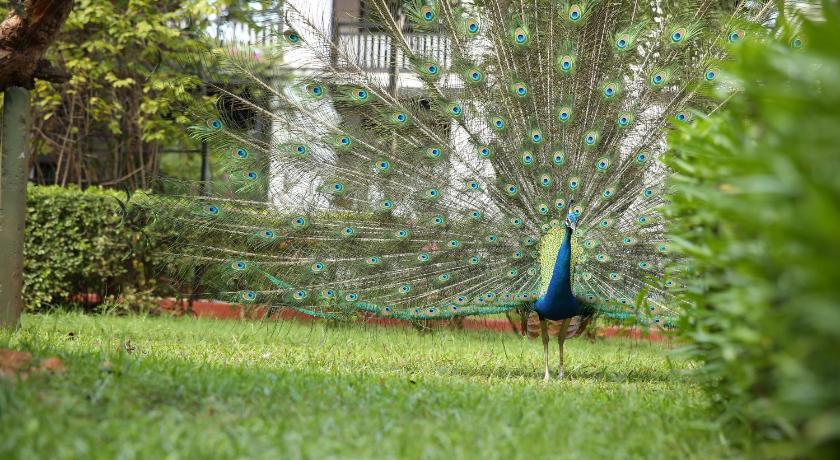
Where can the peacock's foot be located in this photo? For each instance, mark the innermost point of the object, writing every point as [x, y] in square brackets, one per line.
[560, 374]
[547, 377]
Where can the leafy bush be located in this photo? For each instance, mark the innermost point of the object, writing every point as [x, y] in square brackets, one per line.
[76, 244]
[756, 209]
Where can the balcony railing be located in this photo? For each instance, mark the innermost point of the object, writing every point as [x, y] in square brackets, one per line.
[364, 44]
[371, 49]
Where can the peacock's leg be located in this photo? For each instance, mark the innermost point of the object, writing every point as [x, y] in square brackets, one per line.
[545, 340]
[561, 339]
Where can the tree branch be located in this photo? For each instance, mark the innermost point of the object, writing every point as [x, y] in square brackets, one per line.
[26, 33]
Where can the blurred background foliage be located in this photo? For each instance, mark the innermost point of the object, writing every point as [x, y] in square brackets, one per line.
[119, 121]
[756, 208]
[82, 247]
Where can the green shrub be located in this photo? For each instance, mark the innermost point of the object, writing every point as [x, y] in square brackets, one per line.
[77, 243]
[756, 208]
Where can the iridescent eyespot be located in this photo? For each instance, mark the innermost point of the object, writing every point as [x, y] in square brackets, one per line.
[575, 13]
[348, 231]
[559, 158]
[386, 204]
[351, 297]
[564, 114]
[545, 180]
[241, 153]
[474, 260]
[212, 209]
[527, 158]
[249, 295]
[239, 265]
[215, 123]
[473, 185]
[796, 43]
[472, 25]
[318, 267]
[566, 62]
[710, 74]
[268, 234]
[602, 164]
[438, 220]
[454, 244]
[492, 238]
[623, 120]
[736, 36]
[401, 234]
[423, 257]
[511, 189]
[485, 152]
[315, 90]
[641, 158]
[622, 41]
[520, 36]
[475, 214]
[291, 36]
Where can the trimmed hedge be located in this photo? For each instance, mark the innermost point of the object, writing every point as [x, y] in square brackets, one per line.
[756, 208]
[77, 244]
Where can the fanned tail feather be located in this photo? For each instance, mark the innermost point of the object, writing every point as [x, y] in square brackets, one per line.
[440, 189]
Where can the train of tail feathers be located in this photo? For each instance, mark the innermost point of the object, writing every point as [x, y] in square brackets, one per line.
[509, 164]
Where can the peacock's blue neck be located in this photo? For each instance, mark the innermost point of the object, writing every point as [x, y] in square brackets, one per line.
[559, 302]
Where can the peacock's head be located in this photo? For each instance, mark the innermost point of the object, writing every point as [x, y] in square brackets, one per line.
[572, 220]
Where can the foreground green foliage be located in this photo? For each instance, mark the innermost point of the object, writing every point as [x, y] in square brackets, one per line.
[212, 389]
[757, 208]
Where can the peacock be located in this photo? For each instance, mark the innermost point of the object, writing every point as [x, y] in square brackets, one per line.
[504, 158]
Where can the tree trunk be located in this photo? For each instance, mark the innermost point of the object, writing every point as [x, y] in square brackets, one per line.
[26, 33]
[13, 164]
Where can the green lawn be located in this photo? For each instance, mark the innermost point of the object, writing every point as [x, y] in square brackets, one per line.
[226, 389]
